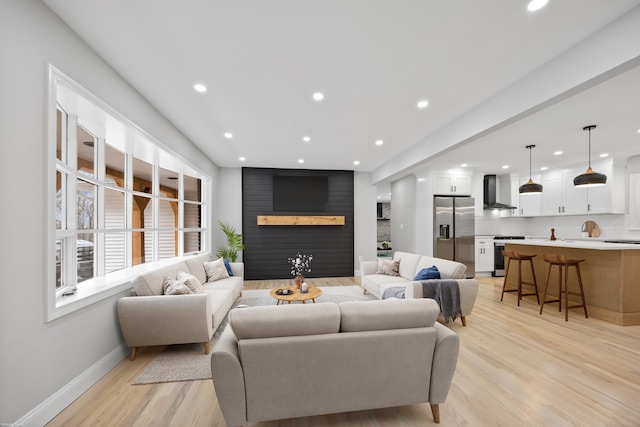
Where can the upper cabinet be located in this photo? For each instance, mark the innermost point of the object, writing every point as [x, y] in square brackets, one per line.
[561, 197]
[455, 185]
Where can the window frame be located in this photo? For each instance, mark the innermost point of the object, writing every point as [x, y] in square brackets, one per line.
[134, 141]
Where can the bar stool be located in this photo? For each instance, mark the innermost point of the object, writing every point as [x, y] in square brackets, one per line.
[509, 255]
[563, 264]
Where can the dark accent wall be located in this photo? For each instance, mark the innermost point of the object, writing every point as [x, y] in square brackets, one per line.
[269, 246]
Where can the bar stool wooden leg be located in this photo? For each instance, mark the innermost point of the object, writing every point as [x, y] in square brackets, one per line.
[535, 283]
[519, 281]
[566, 293]
[546, 286]
[506, 274]
[584, 301]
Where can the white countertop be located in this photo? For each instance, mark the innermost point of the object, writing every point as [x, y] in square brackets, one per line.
[571, 243]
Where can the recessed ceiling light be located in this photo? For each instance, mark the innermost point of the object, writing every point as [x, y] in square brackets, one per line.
[544, 168]
[318, 96]
[379, 197]
[505, 167]
[228, 135]
[420, 179]
[306, 139]
[423, 103]
[536, 5]
[300, 160]
[604, 155]
[199, 87]
[557, 153]
[379, 142]
[356, 162]
[464, 165]
[242, 159]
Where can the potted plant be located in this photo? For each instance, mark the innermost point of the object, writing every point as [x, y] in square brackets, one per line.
[234, 243]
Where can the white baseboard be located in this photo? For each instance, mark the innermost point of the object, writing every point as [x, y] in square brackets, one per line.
[56, 403]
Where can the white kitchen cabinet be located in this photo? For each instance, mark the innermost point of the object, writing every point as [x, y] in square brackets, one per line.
[484, 255]
[574, 198]
[611, 197]
[529, 204]
[458, 185]
[561, 197]
[551, 200]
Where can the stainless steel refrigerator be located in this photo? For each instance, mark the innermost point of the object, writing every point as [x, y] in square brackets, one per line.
[454, 230]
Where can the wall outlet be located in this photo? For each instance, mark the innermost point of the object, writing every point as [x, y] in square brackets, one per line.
[360, 258]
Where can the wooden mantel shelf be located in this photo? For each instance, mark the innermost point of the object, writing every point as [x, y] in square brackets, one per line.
[300, 220]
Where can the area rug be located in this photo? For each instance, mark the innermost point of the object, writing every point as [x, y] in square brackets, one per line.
[187, 362]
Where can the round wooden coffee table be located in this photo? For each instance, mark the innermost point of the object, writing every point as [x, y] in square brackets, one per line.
[296, 295]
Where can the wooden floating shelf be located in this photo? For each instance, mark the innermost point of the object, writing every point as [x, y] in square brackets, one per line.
[300, 220]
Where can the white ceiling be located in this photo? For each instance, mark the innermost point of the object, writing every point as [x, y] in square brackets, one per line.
[262, 61]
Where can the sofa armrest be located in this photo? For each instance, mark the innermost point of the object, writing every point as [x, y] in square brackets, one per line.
[237, 268]
[368, 267]
[166, 319]
[445, 359]
[228, 379]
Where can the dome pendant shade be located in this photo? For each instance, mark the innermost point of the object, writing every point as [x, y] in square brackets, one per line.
[590, 178]
[530, 187]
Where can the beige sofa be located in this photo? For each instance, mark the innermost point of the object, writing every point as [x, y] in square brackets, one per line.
[410, 265]
[151, 318]
[276, 362]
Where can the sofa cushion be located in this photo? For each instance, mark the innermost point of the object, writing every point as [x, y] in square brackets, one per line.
[151, 282]
[448, 269]
[175, 287]
[228, 267]
[215, 270]
[196, 266]
[285, 321]
[387, 314]
[191, 281]
[388, 267]
[408, 264]
[428, 273]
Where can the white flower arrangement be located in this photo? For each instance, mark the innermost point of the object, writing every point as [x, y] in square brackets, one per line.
[300, 264]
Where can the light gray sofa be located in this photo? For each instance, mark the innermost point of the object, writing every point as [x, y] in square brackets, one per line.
[151, 318]
[276, 362]
[410, 265]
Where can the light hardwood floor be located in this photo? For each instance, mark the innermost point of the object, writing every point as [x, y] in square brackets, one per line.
[516, 368]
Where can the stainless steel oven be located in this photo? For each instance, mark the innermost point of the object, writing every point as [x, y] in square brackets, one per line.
[498, 257]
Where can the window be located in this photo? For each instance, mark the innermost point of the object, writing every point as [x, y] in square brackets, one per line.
[119, 200]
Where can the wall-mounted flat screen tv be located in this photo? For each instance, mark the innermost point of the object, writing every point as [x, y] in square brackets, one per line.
[300, 193]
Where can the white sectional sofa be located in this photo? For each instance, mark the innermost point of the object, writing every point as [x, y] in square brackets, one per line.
[410, 265]
[151, 318]
[276, 362]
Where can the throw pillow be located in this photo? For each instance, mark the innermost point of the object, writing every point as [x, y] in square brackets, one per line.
[388, 267]
[191, 281]
[428, 273]
[215, 270]
[228, 267]
[174, 287]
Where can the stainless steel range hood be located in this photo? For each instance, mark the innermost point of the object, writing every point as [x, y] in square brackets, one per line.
[490, 202]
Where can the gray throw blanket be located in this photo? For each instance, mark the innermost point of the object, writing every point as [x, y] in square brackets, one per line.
[397, 292]
[447, 295]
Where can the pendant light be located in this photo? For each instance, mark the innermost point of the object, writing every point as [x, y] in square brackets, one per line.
[530, 187]
[590, 178]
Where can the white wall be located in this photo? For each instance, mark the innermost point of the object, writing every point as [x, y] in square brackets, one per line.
[228, 204]
[43, 366]
[403, 216]
[365, 222]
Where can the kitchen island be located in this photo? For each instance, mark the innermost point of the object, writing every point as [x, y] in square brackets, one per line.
[610, 275]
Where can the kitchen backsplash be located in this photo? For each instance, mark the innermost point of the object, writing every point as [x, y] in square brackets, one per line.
[566, 227]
